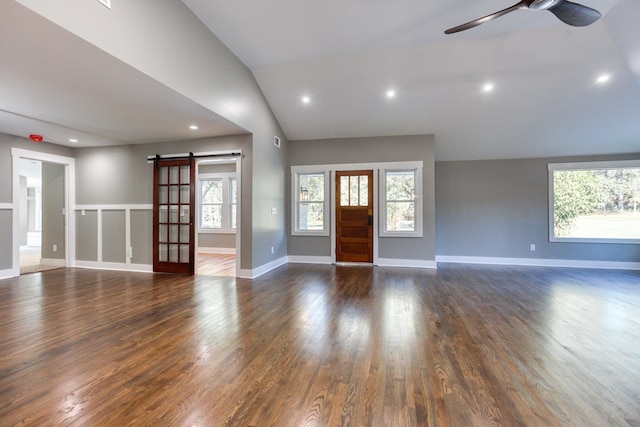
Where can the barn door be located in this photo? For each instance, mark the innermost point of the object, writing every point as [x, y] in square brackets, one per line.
[173, 216]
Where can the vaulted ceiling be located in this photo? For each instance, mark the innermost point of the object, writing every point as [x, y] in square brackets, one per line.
[345, 57]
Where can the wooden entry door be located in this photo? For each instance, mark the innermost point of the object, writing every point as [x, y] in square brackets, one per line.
[354, 216]
[173, 216]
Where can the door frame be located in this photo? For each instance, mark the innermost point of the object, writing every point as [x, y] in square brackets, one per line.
[227, 155]
[333, 207]
[69, 202]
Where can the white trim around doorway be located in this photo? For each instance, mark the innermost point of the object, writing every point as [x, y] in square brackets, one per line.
[69, 202]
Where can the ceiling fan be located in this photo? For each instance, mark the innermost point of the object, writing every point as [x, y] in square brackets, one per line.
[568, 12]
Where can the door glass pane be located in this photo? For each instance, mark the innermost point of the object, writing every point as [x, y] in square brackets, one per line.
[364, 190]
[163, 252]
[184, 234]
[184, 194]
[163, 197]
[173, 234]
[344, 191]
[173, 214]
[173, 194]
[173, 253]
[184, 214]
[353, 191]
[174, 175]
[162, 233]
[184, 172]
[163, 175]
[164, 214]
[184, 253]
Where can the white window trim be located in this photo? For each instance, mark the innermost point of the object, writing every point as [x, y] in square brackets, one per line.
[329, 206]
[417, 232]
[226, 202]
[611, 164]
[296, 171]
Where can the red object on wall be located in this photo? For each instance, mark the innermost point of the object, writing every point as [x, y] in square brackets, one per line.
[36, 138]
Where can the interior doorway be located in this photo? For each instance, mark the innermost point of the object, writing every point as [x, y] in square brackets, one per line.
[42, 191]
[217, 198]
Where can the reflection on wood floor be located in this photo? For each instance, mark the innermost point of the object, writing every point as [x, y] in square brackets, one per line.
[216, 265]
[322, 345]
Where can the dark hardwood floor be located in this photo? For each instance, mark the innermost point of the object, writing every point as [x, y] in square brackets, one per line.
[313, 345]
[216, 265]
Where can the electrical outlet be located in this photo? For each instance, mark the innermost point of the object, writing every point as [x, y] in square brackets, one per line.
[55, 248]
[273, 250]
[532, 247]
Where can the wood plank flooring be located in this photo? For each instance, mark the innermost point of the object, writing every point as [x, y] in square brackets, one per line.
[317, 345]
[216, 265]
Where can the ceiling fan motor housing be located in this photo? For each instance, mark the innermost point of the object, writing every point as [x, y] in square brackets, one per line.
[543, 4]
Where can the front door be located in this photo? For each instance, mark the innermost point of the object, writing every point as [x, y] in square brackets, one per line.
[173, 214]
[354, 216]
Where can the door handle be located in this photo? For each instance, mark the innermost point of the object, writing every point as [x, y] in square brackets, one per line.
[370, 219]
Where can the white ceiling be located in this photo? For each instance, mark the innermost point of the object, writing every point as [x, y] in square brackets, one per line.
[345, 56]
[57, 85]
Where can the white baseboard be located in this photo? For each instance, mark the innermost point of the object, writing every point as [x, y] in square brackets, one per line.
[142, 268]
[415, 263]
[537, 262]
[225, 251]
[301, 259]
[6, 274]
[53, 261]
[265, 268]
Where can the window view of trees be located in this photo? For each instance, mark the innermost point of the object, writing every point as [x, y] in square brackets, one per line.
[211, 203]
[311, 202]
[400, 203]
[597, 203]
[218, 203]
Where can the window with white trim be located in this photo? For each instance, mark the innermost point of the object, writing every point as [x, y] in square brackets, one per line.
[401, 207]
[218, 204]
[310, 200]
[595, 202]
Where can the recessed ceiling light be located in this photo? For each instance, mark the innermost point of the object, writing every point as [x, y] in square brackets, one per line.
[306, 99]
[193, 127]
[603, 78]
[73, 140]
[391, 93]
[487, 87]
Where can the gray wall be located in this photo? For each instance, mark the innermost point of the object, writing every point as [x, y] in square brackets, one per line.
[142, 237]
[53, 219]
[6, 189]
[113, 236]
[121, 175]
[6, 249]
[153, 36]
[497, 208]
[9, 141]
[87, 236]
[370, 150]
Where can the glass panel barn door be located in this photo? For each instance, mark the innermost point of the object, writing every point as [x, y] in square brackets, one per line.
[173, 214]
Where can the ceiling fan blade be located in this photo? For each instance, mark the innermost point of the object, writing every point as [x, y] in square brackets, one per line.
[522, 5]
[575, 14]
